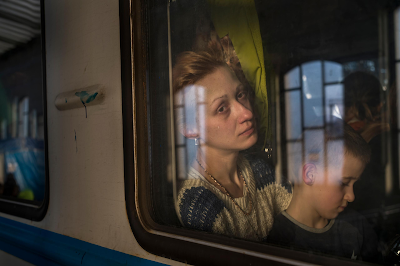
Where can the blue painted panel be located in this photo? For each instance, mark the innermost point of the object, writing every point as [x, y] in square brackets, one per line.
[42, 247]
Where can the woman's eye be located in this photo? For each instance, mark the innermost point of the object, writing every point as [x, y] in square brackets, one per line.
[221, 109]
[242, 94]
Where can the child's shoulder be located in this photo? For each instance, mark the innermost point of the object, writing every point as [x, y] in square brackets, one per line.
[352, 217]
[282, 231]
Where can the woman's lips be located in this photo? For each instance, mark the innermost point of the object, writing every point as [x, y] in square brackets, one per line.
[247, 132]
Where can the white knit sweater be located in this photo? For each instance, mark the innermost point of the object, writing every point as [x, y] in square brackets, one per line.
[204, 207]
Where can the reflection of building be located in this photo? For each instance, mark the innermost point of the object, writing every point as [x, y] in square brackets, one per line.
[20, 22]
[314, 99]
[21, 103]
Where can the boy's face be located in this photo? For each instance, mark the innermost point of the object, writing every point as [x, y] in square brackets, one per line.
[333, 188]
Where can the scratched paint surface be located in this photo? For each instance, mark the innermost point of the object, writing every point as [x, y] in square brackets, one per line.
[76, 143]
[86, 97]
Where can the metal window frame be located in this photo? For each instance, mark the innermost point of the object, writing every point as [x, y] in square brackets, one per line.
[181, 244]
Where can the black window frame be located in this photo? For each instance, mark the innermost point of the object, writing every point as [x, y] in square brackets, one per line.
[180, 244]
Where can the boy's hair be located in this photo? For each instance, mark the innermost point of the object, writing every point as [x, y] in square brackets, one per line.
[326, 149]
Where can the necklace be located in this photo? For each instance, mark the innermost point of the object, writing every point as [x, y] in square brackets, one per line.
[226, 191]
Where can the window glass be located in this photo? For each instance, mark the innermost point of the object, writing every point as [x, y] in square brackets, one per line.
[22, 155]
[293, 114]
[334, 102]
[312, 94]
[315, 81]
[292, 78]
[333, 72]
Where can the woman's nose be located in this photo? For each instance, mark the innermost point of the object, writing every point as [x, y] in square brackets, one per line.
[244, 112]
[349, 196]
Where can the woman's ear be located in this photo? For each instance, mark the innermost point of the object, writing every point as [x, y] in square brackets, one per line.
[309, 173]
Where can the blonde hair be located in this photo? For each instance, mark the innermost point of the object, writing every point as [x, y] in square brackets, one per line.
[191, 66]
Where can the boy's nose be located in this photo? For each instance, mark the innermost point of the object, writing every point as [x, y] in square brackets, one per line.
[349, 196]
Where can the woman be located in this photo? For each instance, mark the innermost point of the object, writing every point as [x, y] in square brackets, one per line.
[225, 192]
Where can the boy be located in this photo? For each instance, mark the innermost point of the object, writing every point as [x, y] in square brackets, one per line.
[323, 186]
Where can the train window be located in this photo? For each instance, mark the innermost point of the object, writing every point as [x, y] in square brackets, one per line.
[262, 126]
[23, 164]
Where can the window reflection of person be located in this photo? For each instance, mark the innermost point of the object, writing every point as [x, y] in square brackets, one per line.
[363, 103]
[11, 187]
[363, 112]
[225, 192]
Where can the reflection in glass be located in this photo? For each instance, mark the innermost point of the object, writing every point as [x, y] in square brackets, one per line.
[292, 79]
[314, 153]
[398, 94]
[294, 153]
[319, 51]
[22, 175]
[333, 72]
[397, 32]
[334, 103]
[312, 94]
[182, 158]
[293, 114]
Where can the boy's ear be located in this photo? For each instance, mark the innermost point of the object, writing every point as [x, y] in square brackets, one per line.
[309, 173]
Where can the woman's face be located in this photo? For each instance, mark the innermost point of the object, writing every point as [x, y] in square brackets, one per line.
[224, 116]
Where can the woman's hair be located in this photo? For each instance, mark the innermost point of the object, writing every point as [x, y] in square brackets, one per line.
[190, 66]
[362, 95]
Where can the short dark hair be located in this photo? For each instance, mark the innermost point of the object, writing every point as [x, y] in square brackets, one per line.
[356, 145]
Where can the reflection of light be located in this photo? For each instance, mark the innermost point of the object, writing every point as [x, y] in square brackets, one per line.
[308, 95]
[336, 112]
[304, 77]
[317, 110]
[384, 88]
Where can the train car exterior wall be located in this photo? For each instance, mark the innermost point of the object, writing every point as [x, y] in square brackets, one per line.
[87, 200]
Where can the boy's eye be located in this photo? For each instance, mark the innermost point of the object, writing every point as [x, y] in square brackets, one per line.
[221, 109]
[345, 184]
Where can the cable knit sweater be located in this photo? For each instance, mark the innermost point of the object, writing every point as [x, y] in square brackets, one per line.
[202, 206]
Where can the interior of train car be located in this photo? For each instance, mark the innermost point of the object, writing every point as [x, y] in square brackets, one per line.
[98, 162]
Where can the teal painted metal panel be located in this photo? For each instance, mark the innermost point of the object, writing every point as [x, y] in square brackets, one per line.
[42, 247]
